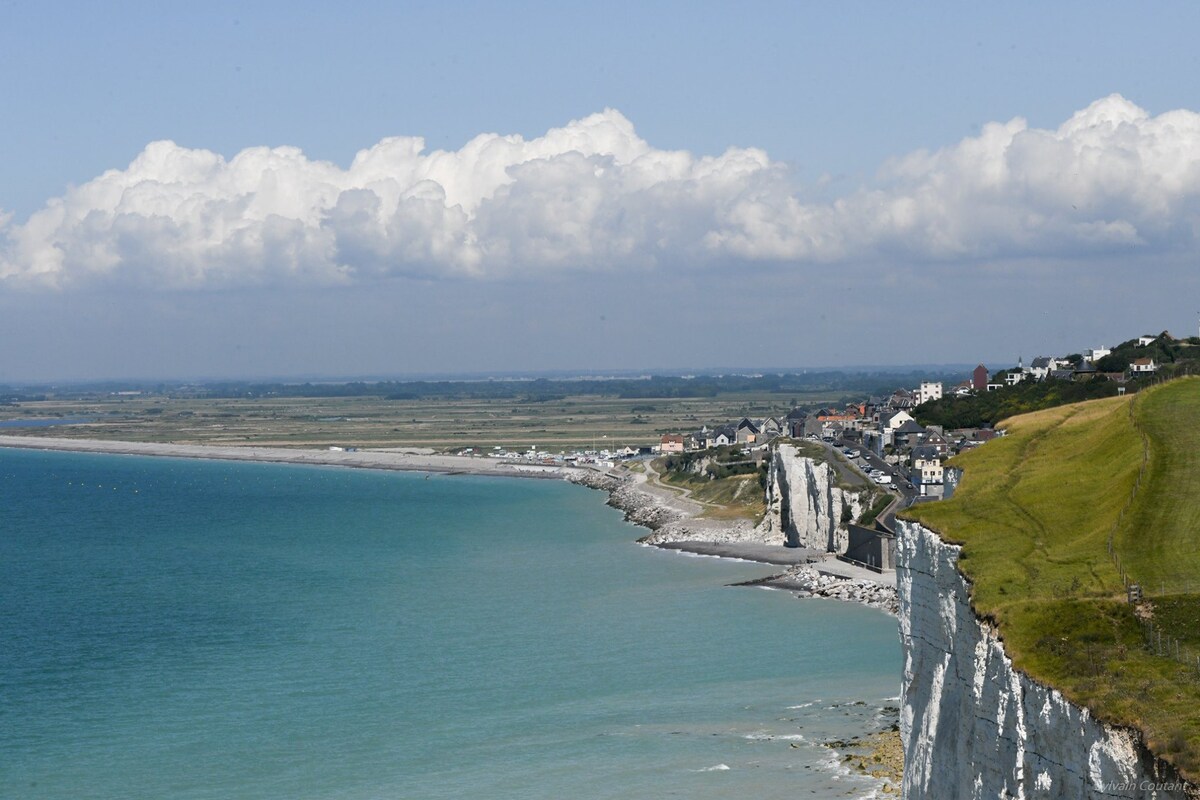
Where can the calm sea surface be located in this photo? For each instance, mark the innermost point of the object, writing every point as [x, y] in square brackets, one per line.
[195, 629]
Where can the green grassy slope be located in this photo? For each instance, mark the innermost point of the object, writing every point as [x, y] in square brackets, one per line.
[1035, 512]
[1159, 541]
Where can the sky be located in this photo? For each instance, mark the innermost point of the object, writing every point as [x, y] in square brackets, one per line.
[296, 189]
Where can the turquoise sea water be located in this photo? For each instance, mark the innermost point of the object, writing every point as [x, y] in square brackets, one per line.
[196, 629]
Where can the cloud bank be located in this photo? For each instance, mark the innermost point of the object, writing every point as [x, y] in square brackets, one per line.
[594, 196]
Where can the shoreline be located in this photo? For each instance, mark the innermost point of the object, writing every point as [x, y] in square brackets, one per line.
[674, 526]
[672, 521]
[358, 459]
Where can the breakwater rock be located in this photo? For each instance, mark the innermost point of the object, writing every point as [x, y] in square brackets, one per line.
[640, 507]
[807, 581]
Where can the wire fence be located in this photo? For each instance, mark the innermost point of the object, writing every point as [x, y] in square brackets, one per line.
[1163, 644]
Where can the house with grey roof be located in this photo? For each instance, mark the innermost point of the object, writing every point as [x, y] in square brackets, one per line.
[746, 431]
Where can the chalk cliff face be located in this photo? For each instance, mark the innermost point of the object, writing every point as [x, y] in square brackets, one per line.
[805, 506]
[973, 727]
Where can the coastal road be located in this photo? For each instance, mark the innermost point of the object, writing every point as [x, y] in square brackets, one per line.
[899, 479]
[846, 471]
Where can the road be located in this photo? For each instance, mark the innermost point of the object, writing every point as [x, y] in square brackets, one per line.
[867, 461]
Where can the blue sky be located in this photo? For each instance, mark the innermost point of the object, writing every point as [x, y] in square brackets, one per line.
[831, 100]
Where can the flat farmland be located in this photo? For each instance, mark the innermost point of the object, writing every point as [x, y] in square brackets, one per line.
[559, 424]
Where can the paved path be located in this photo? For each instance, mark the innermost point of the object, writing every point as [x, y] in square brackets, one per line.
[748, 551]
[676, 497]
[846, 473]
[831, 566]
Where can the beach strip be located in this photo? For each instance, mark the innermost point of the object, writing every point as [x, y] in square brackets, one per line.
[362, 459]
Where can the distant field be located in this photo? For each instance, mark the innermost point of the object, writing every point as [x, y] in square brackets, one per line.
[560, 424]
[1035, 512]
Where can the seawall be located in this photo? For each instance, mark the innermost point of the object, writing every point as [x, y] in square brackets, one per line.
[974, 727]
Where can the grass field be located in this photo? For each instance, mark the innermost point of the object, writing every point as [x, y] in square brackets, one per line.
[732, 497]
[1159, 540]
[569, 423]
[1035, 512]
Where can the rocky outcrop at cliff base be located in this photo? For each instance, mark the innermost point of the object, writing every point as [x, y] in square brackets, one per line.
[666, 523]
[641, 508]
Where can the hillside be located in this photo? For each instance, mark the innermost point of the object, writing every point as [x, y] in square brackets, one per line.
[1037, 512]
[1173, 358]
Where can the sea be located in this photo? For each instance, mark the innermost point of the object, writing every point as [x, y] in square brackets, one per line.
[203, 629]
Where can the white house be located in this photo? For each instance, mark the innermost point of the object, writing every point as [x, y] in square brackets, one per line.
[1013, 378]
[893, 420]
[1143, 365]
[1097, 353]
[929, 391]
[1145, 340]
[771, 427]
[1040, 367]
[928, 475]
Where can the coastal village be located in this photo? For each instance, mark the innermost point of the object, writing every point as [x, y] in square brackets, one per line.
[879, 442]
[885, 426]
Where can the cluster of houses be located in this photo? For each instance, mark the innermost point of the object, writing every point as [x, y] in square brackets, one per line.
[886, 426]
[747, 432]
[1062, 369]
[883, 426]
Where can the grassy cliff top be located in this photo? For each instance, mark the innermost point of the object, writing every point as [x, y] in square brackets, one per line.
[1037, 512]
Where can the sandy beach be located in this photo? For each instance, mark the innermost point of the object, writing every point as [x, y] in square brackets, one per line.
[362, 459]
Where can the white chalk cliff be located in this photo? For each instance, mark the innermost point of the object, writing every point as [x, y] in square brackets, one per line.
[805, 505]
[973, 727]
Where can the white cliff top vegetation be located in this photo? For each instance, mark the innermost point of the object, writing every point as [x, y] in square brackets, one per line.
[1056, 517]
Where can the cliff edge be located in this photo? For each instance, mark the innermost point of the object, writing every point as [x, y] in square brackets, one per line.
[806, 506]
[974, 727]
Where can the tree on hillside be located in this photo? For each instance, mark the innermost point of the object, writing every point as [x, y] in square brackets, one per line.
[988, 408]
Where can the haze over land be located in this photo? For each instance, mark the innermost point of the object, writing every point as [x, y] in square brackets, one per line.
[645, 206]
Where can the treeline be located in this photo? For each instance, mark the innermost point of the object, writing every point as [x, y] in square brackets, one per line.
[542, 389]
[987, 408]
[852, 384]
[1165, 350]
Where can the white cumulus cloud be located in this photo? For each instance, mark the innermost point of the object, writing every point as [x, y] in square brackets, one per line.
[592, 195]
